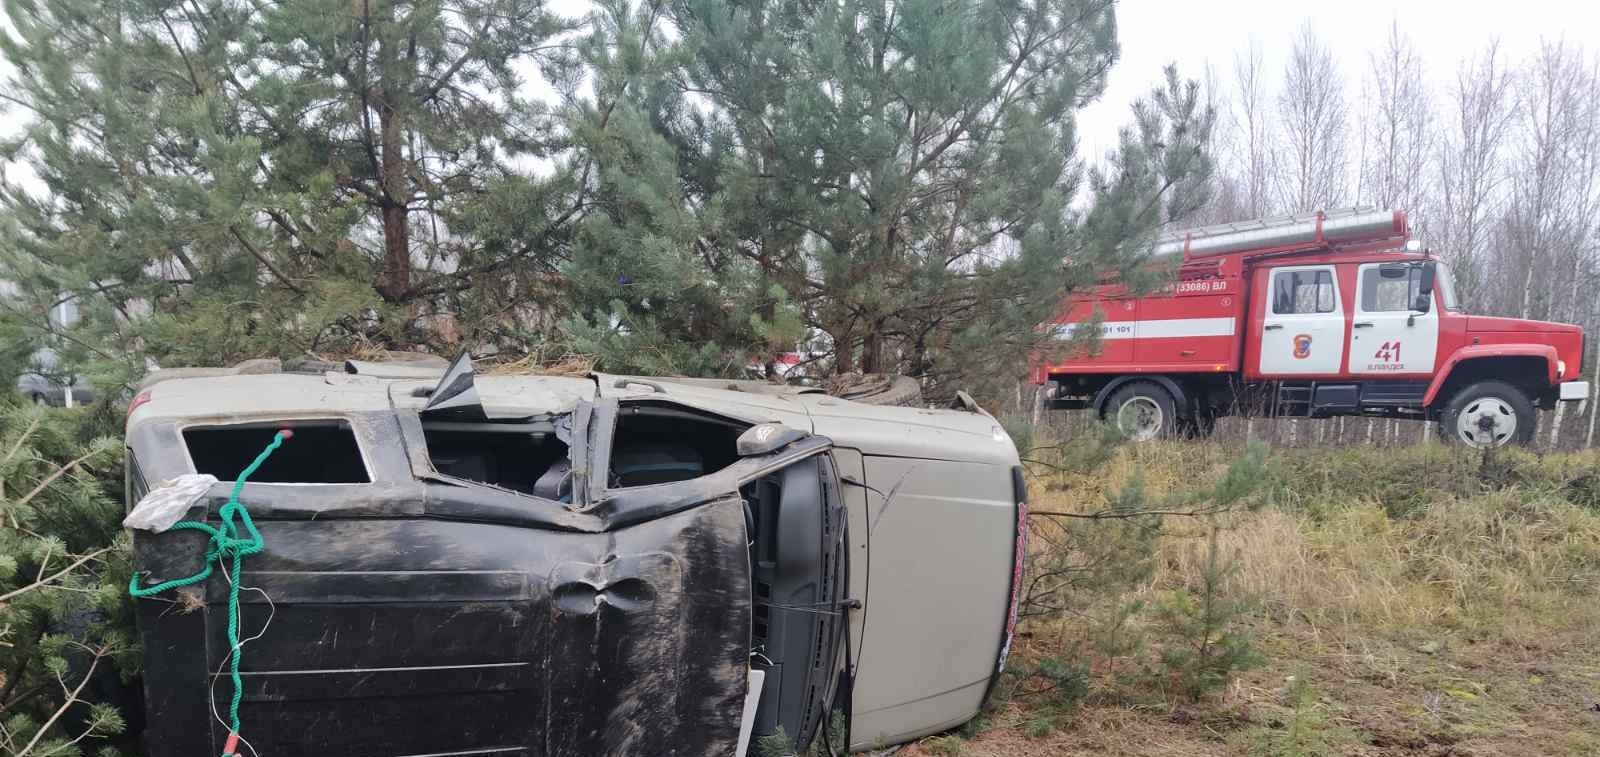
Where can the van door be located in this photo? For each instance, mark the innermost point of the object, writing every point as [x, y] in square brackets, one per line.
[1388, 336]
[796, 534]
[1303, 328]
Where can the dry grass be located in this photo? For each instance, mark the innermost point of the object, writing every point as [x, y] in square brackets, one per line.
[1438, 604]
[539, 364]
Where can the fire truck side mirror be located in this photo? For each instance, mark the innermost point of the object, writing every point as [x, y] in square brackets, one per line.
[1424, 301]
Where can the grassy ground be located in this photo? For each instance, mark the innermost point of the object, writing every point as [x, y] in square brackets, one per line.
[1406, 601]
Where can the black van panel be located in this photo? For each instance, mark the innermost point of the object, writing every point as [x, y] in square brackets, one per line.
[415, 635]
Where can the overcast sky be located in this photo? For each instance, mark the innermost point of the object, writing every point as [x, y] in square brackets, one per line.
[1198, 33]
[1194, 33]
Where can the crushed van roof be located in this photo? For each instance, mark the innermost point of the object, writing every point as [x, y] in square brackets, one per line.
[873, 429]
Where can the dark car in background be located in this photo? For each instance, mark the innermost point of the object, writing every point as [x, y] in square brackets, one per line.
[46, 384]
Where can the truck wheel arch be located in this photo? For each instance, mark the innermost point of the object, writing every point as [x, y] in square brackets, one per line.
[1532, 366]
[1180, 398]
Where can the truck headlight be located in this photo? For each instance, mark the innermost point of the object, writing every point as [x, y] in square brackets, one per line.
[1561, 368]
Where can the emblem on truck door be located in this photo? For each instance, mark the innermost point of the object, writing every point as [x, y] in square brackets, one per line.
[1302, 346]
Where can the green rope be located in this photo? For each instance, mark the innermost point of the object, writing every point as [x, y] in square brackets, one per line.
[225, 542]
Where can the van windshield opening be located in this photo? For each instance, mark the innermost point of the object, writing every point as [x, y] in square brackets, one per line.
[656, 444]
[522, 457]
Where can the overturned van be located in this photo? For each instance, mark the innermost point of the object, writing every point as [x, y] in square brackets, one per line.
[533, 565]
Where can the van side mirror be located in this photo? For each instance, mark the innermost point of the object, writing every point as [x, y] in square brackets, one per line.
[766, 437]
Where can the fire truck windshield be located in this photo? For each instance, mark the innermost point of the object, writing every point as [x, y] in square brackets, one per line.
[1445, 282]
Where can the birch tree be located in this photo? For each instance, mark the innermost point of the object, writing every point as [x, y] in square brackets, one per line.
[1478, 116]
[1226, 193]
[1251, 123]
[1393, 169]
[1549, 225]
[1311, 115]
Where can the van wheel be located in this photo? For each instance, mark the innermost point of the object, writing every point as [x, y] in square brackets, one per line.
[1142, 411]
[1488, 414]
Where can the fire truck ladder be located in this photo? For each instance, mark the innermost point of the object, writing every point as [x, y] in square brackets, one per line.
[1302, 231]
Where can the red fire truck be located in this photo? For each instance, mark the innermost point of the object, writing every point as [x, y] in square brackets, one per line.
[1312, 315]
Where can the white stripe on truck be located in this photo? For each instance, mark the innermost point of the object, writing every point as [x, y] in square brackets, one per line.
[1164, 328]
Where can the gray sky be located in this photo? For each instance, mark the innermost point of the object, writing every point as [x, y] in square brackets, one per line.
[1195, 33]
[1200, 33]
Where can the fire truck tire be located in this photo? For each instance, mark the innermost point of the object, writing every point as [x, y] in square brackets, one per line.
[1488, 414]
[1142, 410]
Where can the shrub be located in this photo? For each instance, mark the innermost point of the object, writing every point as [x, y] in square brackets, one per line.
[1091, 562]
[1304, 730]
[1208, 644]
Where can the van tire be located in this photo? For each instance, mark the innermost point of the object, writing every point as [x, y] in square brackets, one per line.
[1142, 411]
[1495, 412]
[876, 389]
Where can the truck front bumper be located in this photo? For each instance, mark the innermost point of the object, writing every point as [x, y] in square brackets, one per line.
[1572, 391]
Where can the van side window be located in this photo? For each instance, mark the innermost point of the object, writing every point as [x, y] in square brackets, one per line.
[1389, 288]
[1295, 292]
[134, 485]
[323, 452]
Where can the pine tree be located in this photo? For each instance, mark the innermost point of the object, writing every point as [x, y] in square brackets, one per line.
[1209, 644]
[65, 620]
[652, 288]
[230, 179]
[1088, 571]
[904, 171]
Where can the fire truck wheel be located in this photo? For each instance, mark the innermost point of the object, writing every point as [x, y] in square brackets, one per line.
[1488, 414]
[1142, 411]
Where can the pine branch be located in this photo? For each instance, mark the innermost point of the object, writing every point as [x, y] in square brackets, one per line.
[257, 254]
[44, 582]
[72, 699]
[33, 425]
[57, 473]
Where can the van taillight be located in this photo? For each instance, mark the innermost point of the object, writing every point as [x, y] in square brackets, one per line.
[1019, 561]
[138, 400]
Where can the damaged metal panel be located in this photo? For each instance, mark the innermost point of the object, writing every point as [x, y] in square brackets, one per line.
[750, 406]
[423, 636]
[428, 614]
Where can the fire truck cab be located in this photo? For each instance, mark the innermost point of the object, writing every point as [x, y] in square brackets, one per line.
[1312, 315]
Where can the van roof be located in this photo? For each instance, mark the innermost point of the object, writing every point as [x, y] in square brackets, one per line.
[872, 429]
